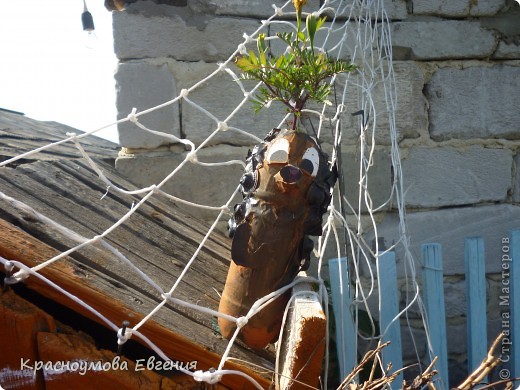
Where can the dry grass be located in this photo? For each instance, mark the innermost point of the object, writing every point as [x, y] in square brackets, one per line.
[426, 378]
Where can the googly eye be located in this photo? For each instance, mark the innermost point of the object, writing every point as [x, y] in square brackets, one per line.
[310, 161]
[278, 153]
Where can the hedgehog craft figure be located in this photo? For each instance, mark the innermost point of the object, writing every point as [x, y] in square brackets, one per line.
[286, 190]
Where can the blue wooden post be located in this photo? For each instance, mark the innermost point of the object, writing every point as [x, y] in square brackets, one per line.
[476, 301]
[432, 277]
[514, 300]
[388, 310]
[346, 335]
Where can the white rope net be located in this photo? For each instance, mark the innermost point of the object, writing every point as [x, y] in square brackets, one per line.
[357, 30]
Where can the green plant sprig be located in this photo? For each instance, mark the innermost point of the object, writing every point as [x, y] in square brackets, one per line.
[298, 75]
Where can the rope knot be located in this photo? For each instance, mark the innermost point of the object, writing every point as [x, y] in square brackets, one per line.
[184, 92]
[207, 376]
[247, 39]
[123, 335]
[277, 10]
[132, 117]
[222, 126]
[166, 296]
[192, 157]
[9, 266]
[17, 277]
[242, 49]
[241, 322]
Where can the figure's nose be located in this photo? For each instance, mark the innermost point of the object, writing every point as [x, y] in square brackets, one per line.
[290, 174]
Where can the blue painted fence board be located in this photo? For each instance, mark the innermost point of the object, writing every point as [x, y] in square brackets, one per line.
[476, 301]
[388, 310]
[433, 292]
[433, 295]
[514, 279]
[346, 335]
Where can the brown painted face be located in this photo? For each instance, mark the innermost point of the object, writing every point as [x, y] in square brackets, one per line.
[291, 163]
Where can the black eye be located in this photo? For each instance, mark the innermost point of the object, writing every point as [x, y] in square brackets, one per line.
[311, 161]
[306, 165]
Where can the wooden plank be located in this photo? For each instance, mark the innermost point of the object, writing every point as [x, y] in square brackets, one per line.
[121, 373]
[20, 322]
[388, 311]
[130, 242]
[514, 280]
[475, 268]
[433, 293]
[163, 212]
[31, 335]
[304, 343]
[19, 134]
[17, 245]
[346, 335]
[142, 239]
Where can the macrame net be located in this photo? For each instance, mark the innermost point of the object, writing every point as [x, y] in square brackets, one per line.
[358, 30]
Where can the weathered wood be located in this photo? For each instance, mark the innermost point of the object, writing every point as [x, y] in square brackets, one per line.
[19, 322]
[475, 267]
[388, 310]
[31, 336]
[19, 134]
[133, 242]
[123, 373]
[160, 242]
[433, 291]
[171, 332]
[303, 344]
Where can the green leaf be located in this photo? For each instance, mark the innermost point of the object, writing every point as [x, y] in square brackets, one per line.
[279, 62]
[244, 63]
[260, 42]
[253, 58]
[311, 24]
[263, 59]
[286, 37]
[320, 22]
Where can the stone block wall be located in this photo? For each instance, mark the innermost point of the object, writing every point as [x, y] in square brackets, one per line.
[457, 68]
